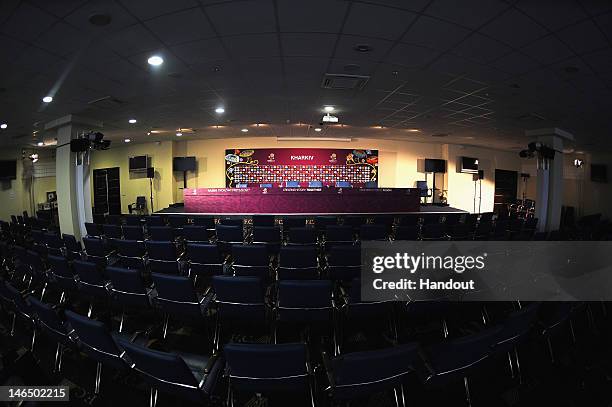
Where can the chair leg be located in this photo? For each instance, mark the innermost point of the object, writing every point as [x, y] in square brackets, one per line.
[59, 353]
[121, 321]
[42, 294]
[511, 365]
[13, 324]
[90, 310]
[466, 384]
[550, 350]
[166, 321]
[33, 339]
[403, 394]
[153, 397]
[518, 365]
[98, 377]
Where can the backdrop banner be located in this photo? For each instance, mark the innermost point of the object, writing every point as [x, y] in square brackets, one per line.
[277, 165]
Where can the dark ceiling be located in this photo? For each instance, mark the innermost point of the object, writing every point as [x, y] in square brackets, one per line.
[479, 71]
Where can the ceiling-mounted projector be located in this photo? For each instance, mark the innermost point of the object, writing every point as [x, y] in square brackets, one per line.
[328, 118]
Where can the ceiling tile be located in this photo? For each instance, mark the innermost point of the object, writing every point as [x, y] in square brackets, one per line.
[27, 23]
[306, 16]
[243, 17]
[308, 45]
[202, 50]
[583, 37]
[183, 26]
[504, 28]
[482, 49]
[62, 39]
[600, 61]
[147, 9]
[434, 33]
[59, 8]
[548, 50]
[133, 40]
[365, 20]
[515, 63]
[252, 46]
[410, 56]
[604, 22]
[120, 18]
[468, 13]
[554, 15]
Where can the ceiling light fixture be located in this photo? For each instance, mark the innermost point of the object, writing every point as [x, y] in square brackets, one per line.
[148, 133]
[33, 157]
[3, 126]
[40, 143]
[179, 134]
[220, 110]
[48, 99]
[414, 130]
[155, 60]
[318, 129]
[244, 130]
[127, 140]
[328, 109]
[132, 121]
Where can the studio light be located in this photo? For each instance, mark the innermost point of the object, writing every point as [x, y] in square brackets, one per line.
[155, 60]
[328, 109]
[328, 118]
[33, 157]
[578, 163]
[48, 99]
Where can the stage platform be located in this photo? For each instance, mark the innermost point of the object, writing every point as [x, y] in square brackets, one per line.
[424, 209]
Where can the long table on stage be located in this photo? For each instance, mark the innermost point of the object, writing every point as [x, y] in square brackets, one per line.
[280, 201]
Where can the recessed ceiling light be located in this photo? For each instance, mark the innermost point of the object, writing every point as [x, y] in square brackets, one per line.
[48, 99]
[414, 130]
[132, 121]
[148, 133]
[40, 144]
[179, 134]
[220, 110]
[244, 130]
[155, 60]
[362, 48]
[328, 108]
[127, 140]
[3, 126]
[318, 129]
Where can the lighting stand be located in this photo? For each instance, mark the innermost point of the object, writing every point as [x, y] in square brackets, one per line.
[151, 189]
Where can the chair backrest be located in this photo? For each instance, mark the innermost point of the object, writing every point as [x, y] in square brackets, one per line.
[162, 233]
[49, 319]
[203, 253]
[250, 255]
[263, 220]
[240, 298]
[112, 231]
[93, 229]
[360, 374]
[407, 232]
[304, 300]
[229, 234]
[177, 221]
[161, 250]
[266, 234]
[71, 244]
[113, 220]
[141, 203]
[176, 295]
[133, 220]
[434, 231]
[95, 247]
[293, 222]
[298, 262]
[339, 234]
[154, 220]
[91, 279]
[133, 232]
[344, 262]
[128, 287]
[265, 185]
[302, 236]
[167, 372]
[95, 337]
[516, 325]
[373, 232]
[60, 268]
[193, 233]
[207, 222]
[264, 368]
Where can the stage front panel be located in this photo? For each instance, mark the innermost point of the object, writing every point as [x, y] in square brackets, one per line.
[249, 201]
[278, 165]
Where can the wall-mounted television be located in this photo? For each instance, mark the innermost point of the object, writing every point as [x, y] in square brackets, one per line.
[8, 169]
[432, 165]
[599, 173]
[139, 163]
[184, 164]
[469, 165]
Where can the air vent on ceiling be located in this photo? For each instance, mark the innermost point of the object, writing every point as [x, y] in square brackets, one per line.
[106, 102]
[344, 82]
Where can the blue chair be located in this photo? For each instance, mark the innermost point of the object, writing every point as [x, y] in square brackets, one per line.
[302, 236]
[20, 309]
[177, 221]
[162, 233]
[343, 262]
[292, 184]
[336, 235]
[128, 289]
[186, 376]
[133, 220]
[251, 261]
[322, 222]
[95, 341]
[373, 232]
[268, 236]
[154, 220]
[315, 184]
[196, 234]
[263, 220]
[53, 327]
[298, 263]
[206, 221]
[240, 301]
[54, 243]
[73, 247]
[177, 297]
[304, 301]
[260, 368]
[204, 260]
[93, 229]
[434, 231]
[293, 222]
[112, 231]
[227, 236]
[343, 184]
[61, 273]
[362, 374]
[133, 232]
[132, 253]
[164, 257]
[97, 250]
[91, 281]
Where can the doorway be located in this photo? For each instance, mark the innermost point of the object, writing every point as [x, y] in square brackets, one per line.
[506, 184]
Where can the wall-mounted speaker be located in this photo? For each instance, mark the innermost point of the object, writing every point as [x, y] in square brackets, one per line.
[150, 172]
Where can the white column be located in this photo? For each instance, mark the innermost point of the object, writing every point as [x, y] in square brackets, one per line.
[549, 189]
[72, 179]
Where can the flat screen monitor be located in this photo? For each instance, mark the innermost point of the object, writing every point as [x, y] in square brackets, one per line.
[8, 169]
[139, 163]
[184, 164]
[437, 166]
[469, 165]
[599, 173]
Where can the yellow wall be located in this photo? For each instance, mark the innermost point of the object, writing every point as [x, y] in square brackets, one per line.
[137, 184]
[15, 198]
